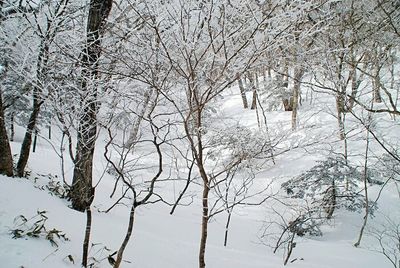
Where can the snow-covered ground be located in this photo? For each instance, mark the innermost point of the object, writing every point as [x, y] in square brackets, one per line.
[172, 241]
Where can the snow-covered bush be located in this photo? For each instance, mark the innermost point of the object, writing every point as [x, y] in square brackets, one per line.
[329, 185]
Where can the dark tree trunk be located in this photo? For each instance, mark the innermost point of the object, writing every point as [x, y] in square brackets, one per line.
[12, 129]
[6, 162]
[26, 143]
[287, 105]
[81, 190]
[127, 237]
[35, 141]
[86, 241]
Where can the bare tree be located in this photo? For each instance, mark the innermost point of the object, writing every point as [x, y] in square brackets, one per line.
[46, 35]
[125, 171]
[81, 190]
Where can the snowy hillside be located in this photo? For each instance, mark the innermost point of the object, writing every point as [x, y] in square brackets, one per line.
[182, 134]
[160, 239]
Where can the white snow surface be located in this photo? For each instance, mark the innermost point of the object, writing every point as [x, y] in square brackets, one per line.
[172, 241]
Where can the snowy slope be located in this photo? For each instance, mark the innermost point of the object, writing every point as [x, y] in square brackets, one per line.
[162, 240]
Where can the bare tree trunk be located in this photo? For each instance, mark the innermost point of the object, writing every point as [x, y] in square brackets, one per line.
[81, 190]
[376, 83]
[254, 89]
[299, 72]
[6, 161]
[365, 180]
[287, 102]
[330, 200]
[127, 237]
[204, 226]
[242, 91]
[340, 115]
[86, 241]
[27, 142]
[35, 141]
[376, 80]
[12, 127]
[355, 83]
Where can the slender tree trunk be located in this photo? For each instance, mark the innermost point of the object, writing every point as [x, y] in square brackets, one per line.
[340, 115]
[35, 141]
[299, 72]
[12, 127]
[355, 83]
[204, 226]
[27, 142]
[127, 237]
[365, 180]
[6, 161]
[85, 250]
[376, 83]
[287, 102]
[376, 80]
[81, 190]
[228, 221]
[242, 91]
[254, 89]
[354, 87]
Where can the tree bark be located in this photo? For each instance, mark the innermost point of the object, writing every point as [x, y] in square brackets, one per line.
[127, 237]
[254, 89]
[6, 161]
[340, 115]
[242, 92]
[81, 190]
[12, 128]
[299, 72]
[85, 249]
[284, 77]
[376, 80]
[204, 226]
[27, 142]
[354, 86]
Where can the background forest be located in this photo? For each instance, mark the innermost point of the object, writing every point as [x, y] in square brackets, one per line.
[172, 133]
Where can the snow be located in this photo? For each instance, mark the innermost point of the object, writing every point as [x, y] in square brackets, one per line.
[171, 241]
